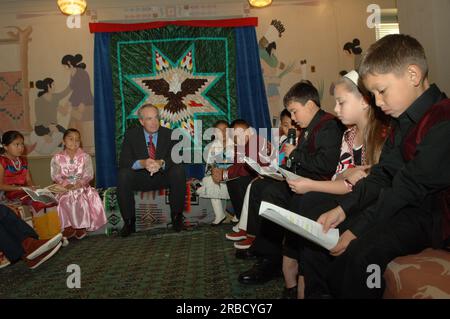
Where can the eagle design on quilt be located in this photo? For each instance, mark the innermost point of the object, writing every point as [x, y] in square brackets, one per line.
[178, 90]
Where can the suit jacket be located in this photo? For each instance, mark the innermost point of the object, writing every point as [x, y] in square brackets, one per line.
[134, 147]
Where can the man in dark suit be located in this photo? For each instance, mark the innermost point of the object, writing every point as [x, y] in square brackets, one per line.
[146, 164]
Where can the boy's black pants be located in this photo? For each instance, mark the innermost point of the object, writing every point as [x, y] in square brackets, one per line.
[349, 276]
[269, 236]
[236, 189]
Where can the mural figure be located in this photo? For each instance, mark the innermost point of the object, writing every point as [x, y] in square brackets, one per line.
[48, 132]
[273, 69]
[81, 100]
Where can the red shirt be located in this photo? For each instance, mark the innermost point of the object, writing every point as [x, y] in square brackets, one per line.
[15, 173]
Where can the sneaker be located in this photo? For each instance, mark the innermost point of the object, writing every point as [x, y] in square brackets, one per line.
[4, 262]
[34, 247]
[64, 242]
[234, 219]
[241, 235]
[236, 228]
[245, 244]
[69, 232]
[81, 233]
[36, 262]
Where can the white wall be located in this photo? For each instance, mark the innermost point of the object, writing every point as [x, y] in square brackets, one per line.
[428, 21]
[317, 31]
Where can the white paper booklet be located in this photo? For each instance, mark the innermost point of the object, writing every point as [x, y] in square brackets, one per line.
[288, 175]
[269, 171]
[272, 171]
[42, 195]
[300, 225]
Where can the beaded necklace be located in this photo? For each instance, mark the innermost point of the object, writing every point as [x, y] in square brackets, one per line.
[17, 164]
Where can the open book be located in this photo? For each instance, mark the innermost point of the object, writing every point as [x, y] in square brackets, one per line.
[272, 171]
[43, 195]
[300, 225]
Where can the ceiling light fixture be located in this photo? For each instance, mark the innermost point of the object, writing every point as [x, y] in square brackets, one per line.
[259, 3]
[72, 7]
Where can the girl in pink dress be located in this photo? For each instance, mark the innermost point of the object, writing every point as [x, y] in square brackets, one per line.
[80, 208]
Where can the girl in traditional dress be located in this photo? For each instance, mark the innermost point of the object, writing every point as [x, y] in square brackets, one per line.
[80, 209]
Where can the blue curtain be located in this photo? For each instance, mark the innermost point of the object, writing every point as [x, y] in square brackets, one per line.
[104, 114]
[252, 99]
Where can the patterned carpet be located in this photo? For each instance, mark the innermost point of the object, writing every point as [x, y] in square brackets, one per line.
[199, 263]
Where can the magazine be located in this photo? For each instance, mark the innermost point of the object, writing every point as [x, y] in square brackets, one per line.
[43, 195]
[300, 225]
[272, 171]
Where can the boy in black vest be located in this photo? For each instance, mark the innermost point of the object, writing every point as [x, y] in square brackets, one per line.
[411, 182]
[315, 157]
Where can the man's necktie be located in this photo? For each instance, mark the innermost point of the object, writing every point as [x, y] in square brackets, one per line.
[151, 148]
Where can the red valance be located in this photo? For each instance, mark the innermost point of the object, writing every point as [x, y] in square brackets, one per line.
[125, 27]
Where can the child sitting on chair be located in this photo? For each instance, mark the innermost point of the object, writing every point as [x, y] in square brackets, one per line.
[80, 209]
[220, 155]
[14, 172]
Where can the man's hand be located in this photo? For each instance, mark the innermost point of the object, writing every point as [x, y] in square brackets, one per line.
[217, 175]
[332, 218]
[300, 186]
[345, 240]
[288, 149]
[152, 166]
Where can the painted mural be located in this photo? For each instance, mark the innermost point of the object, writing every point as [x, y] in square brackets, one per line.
[40, 112]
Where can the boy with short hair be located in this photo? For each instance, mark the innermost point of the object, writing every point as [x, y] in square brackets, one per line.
[316, 157]
[238, 176]
[411, 183]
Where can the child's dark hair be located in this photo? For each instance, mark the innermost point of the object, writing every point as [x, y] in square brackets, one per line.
[240, 122]
[44, 85]
[220, 122]
[393, 54]
[71, 130]
[73, 61]
[285, 113]
[302, 92]
[9, 137]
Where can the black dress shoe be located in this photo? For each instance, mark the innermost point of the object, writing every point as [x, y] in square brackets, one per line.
[128, 228]
[245, 254]
[263, 271]
[219, 223]
[178, 223]
[126, 231]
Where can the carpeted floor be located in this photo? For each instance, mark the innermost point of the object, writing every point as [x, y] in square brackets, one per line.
[199, 263]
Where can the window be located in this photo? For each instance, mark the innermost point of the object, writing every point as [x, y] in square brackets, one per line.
[389, 23]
